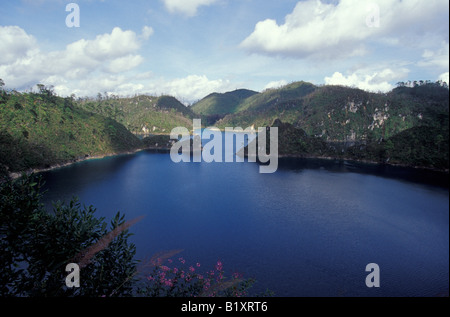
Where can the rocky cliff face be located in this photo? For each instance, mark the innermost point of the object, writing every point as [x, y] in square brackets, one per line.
[425, 147]
[346, 115]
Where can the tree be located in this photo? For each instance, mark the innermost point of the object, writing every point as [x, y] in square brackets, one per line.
[41, 88]
[36, 245]
[389, 147]
[47, 91]
[439, 140]
[2, 92]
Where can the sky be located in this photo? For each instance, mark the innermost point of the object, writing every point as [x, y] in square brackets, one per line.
[191, 48]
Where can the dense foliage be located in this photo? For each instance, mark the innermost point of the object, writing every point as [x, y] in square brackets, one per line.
[158, 142]
[226, 103]
[421, 146]
[343, 114]
[142, 114]
[297, 142]
[40, 130]
[36, 245]
[407, 126]
[418, 146]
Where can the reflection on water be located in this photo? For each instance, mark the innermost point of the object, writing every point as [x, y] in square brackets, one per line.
[396, 172]
[309, 229]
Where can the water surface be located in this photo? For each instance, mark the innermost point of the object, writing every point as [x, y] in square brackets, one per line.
[309, 229]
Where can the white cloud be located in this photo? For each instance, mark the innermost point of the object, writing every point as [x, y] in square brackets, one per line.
[436, 58]
[192, 87]
[436, 61]
[342, 28]
[94, 83]
[24, 64]
[444, 77]
[147, 32]
[123, 64]
[116, 44]
[276, 84]
[86, 67]
[188, 89]
[369, 79]
[16, 43]
[186, 7]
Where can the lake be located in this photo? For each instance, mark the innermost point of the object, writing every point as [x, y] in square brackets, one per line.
[309, 229]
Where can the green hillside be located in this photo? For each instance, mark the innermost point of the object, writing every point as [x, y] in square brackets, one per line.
[142, 114]
[425, 147]
[264, 100]
[419, 146]
[220, 104]
[342, 114]
[38, 130]
[295, 142]
[408, 125]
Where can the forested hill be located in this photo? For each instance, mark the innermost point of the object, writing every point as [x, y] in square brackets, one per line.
[408, 125]
[343, 114]
[216, 105]
[142, 114]
[39, 130]
[422, 146]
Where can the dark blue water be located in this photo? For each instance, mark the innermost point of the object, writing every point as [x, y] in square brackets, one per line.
[309, 229]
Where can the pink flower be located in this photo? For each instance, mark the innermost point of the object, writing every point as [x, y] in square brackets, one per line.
[168, 283]
[219, 277]
[175, 270]
[182, 260]
[169, 260]
[191, 269]
[165, 268]
[198, 264]
[219, 266]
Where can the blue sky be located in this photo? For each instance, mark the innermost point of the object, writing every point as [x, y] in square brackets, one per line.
[190, 48]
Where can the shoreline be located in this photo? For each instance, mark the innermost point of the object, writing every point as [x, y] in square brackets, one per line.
[446, 171]
[164, 150]
[342, 159]
[15, 175]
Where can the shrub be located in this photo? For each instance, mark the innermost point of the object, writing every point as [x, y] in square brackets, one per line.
[176, 279]
[36, 246]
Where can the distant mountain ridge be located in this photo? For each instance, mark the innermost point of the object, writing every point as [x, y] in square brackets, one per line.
[142, 114]
[408, 125]
[221, 103]
[425, 147]
[343, 114]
